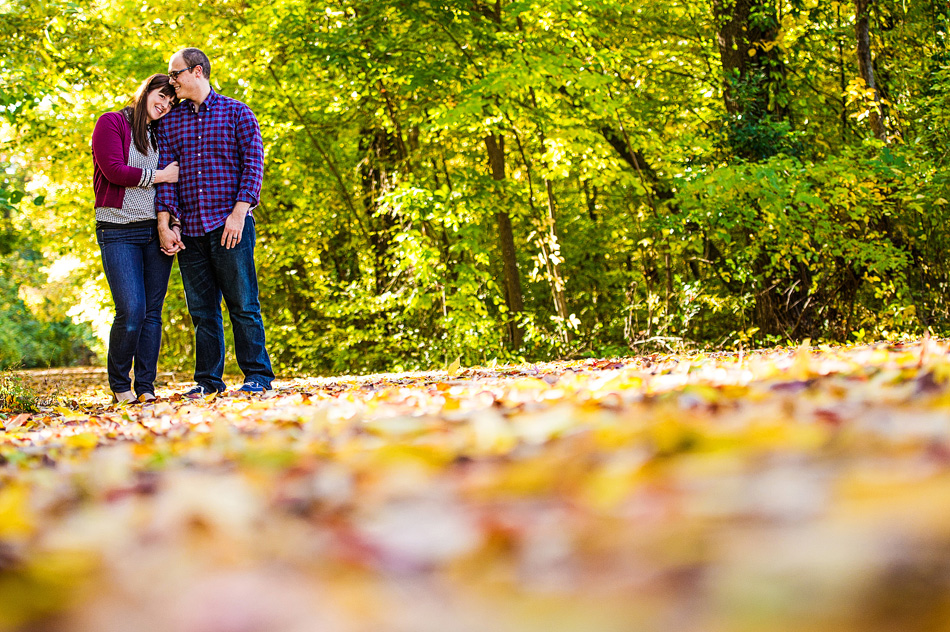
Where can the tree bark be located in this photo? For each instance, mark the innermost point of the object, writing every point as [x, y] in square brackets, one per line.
[754, 88]
[555, 277]
[495, 146]
[842, 79]
[866, 66]
[379, 153]
[754, 73]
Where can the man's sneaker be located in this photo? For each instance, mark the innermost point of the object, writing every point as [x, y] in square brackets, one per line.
[252, 387]
[198, 392]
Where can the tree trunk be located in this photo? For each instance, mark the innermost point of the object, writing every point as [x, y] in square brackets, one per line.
[547, 236]
[866, 66]
[401, 149]
[754, 73]
[379, 152]
[634, 157]
[842, 79]
[556, 280]
[495, 145]
[754, 87]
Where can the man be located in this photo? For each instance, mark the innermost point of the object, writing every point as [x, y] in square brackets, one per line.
[217, 143]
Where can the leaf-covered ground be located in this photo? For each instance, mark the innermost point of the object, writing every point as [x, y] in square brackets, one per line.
[787, 489]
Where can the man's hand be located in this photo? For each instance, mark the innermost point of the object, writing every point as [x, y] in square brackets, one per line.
[170, 239]
[234, 226]
[169, 236]
[168, 174]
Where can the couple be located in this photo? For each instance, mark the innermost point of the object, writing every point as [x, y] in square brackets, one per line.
[180, 179]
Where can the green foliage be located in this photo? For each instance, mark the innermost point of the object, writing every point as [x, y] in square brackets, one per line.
[37, 340]
[756, 138]
[38, 334]
[826, 238]
[16, 396]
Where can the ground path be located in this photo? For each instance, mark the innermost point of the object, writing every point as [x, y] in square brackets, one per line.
[796, 488]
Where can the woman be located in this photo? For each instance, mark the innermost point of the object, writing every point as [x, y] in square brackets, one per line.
[125, 157]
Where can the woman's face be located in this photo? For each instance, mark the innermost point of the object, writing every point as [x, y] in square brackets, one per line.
[157, 104]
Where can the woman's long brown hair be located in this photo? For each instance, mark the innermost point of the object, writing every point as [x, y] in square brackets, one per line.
[138, 111]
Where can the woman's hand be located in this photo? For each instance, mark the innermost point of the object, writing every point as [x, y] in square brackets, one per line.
[170, 239]
[168, 174]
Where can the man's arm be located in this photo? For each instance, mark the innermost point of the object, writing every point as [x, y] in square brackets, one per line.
[166, 193]
[250, 146]
[166, 200]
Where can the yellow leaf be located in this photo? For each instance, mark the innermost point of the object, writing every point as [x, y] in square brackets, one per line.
[802, 368]
[670, 436]
[609, 485]
[16, 422]
[16, 515]
[82, 440]
[492, 434]
[69, 415]
[454, 368]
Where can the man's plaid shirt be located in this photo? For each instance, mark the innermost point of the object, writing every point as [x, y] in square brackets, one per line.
[220, 158]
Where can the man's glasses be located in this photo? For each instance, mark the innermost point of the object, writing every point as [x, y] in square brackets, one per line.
[174, 73]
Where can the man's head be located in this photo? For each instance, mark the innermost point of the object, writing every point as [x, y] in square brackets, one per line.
[190, 71]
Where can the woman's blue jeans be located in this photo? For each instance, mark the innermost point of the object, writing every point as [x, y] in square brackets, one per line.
[209, 271]
[137, 272]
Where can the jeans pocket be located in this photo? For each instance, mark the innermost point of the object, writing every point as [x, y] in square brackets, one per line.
[105, 236]
[140, 235]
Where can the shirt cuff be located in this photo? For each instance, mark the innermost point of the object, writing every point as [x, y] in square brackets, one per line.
[247, 197]
[162, 207]
[148, 176]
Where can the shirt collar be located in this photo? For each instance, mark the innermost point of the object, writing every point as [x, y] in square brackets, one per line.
[207, 103]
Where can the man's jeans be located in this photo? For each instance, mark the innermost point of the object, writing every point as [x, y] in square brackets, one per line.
[208, 272]
[137, 272]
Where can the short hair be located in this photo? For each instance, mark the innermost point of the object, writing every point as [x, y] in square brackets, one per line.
[194, 57]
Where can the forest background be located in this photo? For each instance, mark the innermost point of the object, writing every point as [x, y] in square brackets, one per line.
[509, 179]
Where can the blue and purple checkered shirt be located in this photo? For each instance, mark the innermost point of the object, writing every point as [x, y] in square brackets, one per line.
[220, 158]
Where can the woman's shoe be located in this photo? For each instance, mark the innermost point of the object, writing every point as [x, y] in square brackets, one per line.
[147, 397]
[124, 397]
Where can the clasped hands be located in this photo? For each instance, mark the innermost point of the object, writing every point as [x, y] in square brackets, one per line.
[170, 235]
[170, 238]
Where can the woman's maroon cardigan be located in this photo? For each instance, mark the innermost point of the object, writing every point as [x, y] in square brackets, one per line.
[110, 157]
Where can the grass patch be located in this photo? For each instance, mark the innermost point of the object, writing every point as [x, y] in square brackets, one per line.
[16, 396]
